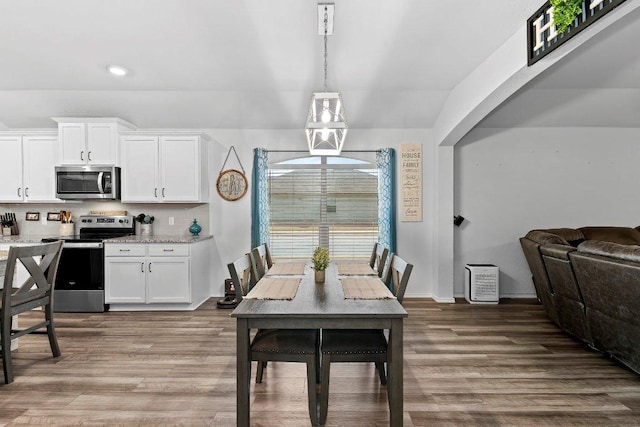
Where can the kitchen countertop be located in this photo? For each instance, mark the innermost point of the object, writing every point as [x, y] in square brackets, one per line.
[158, 239]
[22, 238]
[10, 240]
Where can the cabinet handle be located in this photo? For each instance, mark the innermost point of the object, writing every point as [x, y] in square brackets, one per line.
[125, 250]
[26, 192]
[162, 191]
[89, 156]
[142, 267]
[168, 250]
[149, 267]
[155, 192]
[82, 155]
[19, 195]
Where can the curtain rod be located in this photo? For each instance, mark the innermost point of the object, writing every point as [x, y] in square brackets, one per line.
[306, 151]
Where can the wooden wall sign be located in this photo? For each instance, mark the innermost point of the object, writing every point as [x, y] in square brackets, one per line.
[411, 182]
[542, 37]
[232, 184]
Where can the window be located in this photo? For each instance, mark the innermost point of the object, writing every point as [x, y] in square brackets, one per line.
[323, 201]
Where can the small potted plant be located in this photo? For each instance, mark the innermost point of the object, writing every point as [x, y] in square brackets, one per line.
[320, 261]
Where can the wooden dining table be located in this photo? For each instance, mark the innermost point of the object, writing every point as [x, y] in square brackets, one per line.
[317, 306]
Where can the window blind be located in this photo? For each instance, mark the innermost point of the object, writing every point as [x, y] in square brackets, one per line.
[320, 201]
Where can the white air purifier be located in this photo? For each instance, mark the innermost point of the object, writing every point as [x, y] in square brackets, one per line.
[481, 283]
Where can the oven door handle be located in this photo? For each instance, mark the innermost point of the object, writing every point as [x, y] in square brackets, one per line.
[83, 245]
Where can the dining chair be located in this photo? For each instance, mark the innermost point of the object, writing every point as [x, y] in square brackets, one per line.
[361, 345]
[241, 271]
[41, 262]
[280, 345]
[263, 261]
[397, 276]
[378, 258]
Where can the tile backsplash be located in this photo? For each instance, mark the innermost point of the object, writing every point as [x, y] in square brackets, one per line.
[182, 214]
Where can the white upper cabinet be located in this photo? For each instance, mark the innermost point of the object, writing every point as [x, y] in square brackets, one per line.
[169, 168]
[90, 141]
[11, 188]
[139, 175]
[180, 165]
[40, 156]
[27, 168]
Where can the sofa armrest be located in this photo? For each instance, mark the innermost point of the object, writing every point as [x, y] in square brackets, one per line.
[545, 238]
[557, 251]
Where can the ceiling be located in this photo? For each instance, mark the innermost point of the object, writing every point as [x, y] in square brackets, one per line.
[253, 64]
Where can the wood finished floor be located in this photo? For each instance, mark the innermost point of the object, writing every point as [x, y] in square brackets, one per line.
[464, 365]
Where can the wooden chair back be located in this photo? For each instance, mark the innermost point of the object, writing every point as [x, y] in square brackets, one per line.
[261, 260]
[41, 262]
[378, 258]
[41, 280]
[397, 276]
[241, 276]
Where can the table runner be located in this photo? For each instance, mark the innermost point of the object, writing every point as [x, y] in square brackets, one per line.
[287, 269]
[365, 288]
[355, 269]
[274, 288]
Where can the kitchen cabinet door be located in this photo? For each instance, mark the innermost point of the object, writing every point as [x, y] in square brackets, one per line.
[102, 144]
[11, 189]
[125, 279]
[168, 280]
[140, 169]
[73, 141]
[40, 156]
[180, 169]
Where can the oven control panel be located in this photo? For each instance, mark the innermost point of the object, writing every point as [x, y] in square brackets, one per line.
[97, 221]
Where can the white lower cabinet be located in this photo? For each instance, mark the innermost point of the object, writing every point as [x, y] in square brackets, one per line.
[147, 273]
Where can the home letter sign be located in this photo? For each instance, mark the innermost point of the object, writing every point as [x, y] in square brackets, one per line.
[542, 37]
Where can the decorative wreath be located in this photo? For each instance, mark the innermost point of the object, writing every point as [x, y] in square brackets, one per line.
[232, 184]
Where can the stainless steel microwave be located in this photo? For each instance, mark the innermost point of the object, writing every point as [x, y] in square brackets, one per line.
[88, 182]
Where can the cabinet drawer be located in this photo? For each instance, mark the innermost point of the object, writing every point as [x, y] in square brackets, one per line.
[172, 249]
[124, 250]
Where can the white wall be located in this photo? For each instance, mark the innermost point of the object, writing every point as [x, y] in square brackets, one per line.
[231, 221]
[509, 181]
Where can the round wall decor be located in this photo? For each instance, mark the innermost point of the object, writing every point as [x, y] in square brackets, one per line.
[232, 184]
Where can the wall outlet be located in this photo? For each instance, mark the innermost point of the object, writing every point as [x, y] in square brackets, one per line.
[171, 220]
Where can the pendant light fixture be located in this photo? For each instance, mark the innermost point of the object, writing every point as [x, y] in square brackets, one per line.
[326, 126]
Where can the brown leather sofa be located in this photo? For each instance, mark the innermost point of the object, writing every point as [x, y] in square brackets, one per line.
[588, 280]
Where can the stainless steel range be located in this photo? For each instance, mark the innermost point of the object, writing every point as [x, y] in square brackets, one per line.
[80, 281]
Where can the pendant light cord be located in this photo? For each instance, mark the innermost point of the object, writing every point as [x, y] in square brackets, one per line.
[326, 29]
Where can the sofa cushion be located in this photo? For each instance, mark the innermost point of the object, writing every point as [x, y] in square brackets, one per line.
[611, 250]
[621, 235]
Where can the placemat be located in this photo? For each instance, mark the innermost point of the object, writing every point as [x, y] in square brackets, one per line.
[355, 269]
[274, 288]
[3, 264]
[365, 288]
[286, 269]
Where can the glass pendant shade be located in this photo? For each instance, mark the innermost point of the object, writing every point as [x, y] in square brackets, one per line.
[326, 126]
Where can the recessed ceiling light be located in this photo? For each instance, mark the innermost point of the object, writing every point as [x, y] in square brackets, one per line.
[117, 70]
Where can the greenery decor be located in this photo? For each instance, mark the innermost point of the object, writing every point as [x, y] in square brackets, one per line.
[320, 259]
[565, 12]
